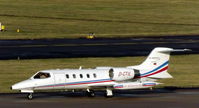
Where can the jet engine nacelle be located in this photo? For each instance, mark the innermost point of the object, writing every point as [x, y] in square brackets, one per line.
[121, 74]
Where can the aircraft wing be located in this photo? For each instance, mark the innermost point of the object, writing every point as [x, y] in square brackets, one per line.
[100, 85]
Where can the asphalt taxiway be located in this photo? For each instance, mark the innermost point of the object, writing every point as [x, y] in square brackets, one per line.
[99, 47]
[158, 98]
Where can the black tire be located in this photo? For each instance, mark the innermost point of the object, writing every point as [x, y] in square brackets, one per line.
[105, 95]
[90, 94]
[29, 96]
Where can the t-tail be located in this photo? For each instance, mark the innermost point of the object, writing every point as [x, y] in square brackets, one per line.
[156, 64]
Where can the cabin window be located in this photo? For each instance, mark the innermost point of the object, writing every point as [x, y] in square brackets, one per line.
[88, 76]
[74, 76]
[67, 76]
[94, 75]
[41, 75]
[80, 75]
[111, 74]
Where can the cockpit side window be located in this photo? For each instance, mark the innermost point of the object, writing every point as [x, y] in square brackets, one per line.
[41, 75]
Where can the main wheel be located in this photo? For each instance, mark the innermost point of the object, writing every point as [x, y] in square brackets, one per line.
[90, 94]
[107, 96]
[30, 96]
[108, 93]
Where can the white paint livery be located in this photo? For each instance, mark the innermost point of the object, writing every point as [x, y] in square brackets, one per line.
[107, 78]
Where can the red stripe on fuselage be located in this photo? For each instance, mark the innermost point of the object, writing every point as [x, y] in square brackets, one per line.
[149, 85]
[75, 84]
[90, 82]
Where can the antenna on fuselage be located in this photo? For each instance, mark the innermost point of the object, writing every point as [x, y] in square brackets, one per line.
[80, 67]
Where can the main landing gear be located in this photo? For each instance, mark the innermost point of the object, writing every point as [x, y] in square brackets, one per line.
[29, 96]
[90, 93]
[109, 93]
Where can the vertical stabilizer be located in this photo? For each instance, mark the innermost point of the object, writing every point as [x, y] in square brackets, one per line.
[156, 64]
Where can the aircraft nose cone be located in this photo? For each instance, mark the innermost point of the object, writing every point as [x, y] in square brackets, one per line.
[14, 87]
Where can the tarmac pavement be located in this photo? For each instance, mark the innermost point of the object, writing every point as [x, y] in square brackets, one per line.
[99, 47]
[158, 98]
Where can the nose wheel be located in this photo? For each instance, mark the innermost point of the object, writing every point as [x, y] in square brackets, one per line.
[29, 96]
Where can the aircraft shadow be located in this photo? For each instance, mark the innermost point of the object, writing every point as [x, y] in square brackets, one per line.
[100, 94]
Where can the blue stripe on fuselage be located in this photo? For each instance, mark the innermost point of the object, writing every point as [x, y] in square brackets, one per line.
[71, 83]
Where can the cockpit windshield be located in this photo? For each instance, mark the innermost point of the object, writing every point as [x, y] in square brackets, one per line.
[41, 75]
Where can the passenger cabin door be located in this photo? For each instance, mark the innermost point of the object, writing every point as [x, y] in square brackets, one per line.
[60, 81]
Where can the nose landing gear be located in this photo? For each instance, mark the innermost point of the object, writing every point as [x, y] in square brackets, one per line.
[30, 96]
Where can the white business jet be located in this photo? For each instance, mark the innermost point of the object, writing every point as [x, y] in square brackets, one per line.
[140, 76]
